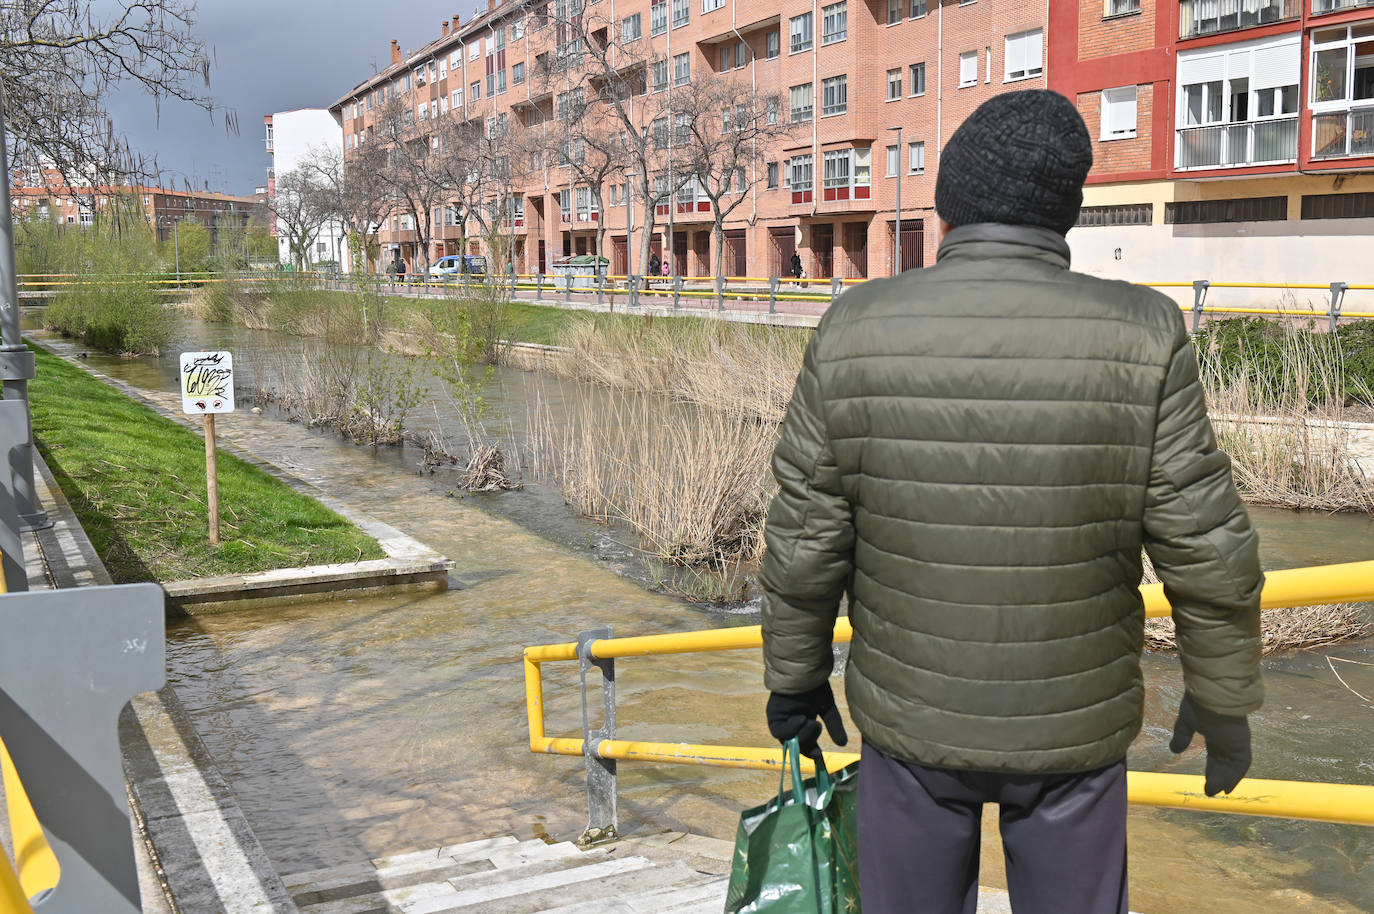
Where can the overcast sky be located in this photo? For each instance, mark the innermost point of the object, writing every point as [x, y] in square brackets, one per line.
[272, 55]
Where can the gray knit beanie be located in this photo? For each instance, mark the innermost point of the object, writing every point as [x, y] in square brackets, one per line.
[1020, 159]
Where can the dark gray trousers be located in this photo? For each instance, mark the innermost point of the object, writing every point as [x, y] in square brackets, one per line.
[919, 828]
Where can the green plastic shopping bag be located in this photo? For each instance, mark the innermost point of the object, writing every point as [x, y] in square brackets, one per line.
[798, 854]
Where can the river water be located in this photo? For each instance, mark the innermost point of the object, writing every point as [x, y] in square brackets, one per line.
[351, 729]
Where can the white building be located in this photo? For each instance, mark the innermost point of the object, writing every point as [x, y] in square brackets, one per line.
[292, 137]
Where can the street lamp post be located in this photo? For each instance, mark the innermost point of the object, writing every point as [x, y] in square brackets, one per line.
[897, 254]
[16, 361]
[629, 223]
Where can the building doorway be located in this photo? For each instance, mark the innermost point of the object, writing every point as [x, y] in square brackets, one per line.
[823, 249]
[543, 256]
[913, 243]
[620, 255]
[701, 247]
[856, 250]
[736, 263]
[679, 253]
[784, 246]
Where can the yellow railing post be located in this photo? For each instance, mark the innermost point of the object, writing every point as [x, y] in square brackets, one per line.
[1350, 582]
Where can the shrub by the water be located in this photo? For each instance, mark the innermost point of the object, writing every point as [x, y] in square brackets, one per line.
[118, 314]
[1259, 350]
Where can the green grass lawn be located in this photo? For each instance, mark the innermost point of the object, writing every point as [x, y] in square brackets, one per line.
[137, 483]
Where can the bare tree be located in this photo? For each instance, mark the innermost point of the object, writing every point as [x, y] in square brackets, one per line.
[723, 128]
[414, 186]
[588, 140]
[349, 191]
[619, 91]
[59, 61]
[301, 208]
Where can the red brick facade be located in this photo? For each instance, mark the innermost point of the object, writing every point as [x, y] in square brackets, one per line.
[1120, 155]
[846, 238]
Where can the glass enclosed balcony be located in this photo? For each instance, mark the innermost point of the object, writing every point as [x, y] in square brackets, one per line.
[1343, 133]
[1265, 142]
[1212, 17]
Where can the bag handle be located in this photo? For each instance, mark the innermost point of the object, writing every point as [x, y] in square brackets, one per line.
[791, 755]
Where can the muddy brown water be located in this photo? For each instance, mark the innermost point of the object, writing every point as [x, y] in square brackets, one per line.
[351, 729]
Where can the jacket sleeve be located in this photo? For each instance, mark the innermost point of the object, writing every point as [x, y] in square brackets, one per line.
[810, 538]
[1203, 547]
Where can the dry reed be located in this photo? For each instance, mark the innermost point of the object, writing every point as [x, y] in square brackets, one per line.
[1287, 440]
[1280, 629]
[693, 483]
[739, 369]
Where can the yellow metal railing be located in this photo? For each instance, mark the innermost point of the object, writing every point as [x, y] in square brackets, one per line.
[1342, 803]
[35, 863]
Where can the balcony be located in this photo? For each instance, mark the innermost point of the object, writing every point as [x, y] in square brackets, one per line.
[1213, 17]
[1332, 6]
[1344, 133]
[1267, 142]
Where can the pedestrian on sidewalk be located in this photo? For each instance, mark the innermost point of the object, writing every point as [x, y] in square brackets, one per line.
[796, 266]
[401, 269]
[654, 264]
[975, 455]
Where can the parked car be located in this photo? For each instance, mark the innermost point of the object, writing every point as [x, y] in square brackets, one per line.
[458, 264]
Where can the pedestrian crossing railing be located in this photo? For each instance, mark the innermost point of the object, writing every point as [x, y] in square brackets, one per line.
[596, 651]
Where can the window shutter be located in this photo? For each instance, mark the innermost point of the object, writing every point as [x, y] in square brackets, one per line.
[1276, 66]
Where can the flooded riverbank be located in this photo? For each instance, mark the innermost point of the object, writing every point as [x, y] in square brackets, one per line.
[352, 729]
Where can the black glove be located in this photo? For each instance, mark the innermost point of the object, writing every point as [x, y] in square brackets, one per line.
[795, 715]
[1228, 743]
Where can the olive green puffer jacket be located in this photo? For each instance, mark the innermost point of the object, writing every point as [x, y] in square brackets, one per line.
[976, 453]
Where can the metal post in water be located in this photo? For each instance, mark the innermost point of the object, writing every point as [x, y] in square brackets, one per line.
[17, 364]
[1337, 297]
[601, 772]
[1200, 287]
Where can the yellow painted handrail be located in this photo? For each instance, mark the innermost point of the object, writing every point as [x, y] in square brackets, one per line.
[1343, 803]
[35, 862]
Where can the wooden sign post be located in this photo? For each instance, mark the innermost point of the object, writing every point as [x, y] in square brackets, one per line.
[207, 388]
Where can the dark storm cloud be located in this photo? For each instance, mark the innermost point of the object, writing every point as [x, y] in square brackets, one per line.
[271, 55]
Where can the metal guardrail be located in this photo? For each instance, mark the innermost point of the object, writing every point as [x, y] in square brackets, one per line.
[637, 289]
[597, 650]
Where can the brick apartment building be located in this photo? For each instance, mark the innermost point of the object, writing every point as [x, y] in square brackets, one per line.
[1233, 139]
[846, 72]
[162, 208]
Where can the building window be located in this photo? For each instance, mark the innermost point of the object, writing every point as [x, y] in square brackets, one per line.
[732, 56]
[565, 205]
[1124, 214]
[916, 158]
[968, 69]
[682, 68]
[419, 76]
[659, 130]
[1024, 55]
[894, 161]
[443, 109]
[834, 95]
[894, 11]
[1337, 206]
[834, 22]
[682, 12]
[1342, 94]
[475, 90]
[1118, 113]
[799, 32]
[799, 174]
[630, 28]
[658, 17]
[1120, 8]
[708, 6]
[918, 8]
[517, 74]
[771, 43]
[772, 175]
[801, 102]
[918, 78]
[456, 99]
[1237, 104]
[1209, 17]
[1245, 209]
[894, 84]
[847, 174]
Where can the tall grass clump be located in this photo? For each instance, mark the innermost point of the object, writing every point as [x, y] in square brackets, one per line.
[116, 305]
[692, 482]
[1277, 399]
[745, 370]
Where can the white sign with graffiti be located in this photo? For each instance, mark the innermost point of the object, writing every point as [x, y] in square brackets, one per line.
[207, 382]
